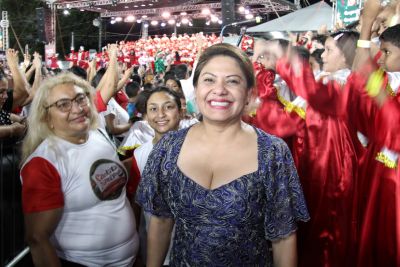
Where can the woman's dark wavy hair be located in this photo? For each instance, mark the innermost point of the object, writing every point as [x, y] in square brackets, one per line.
[346, 41]
[231, 51]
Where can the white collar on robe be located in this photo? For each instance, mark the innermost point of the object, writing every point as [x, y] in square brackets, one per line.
[339, 76]
[394, 80]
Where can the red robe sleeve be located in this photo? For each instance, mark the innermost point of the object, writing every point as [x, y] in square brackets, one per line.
[271, 115]
[388, 117]
[327, 98]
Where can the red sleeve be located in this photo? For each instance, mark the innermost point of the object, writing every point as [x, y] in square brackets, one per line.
[134, 179]
[327, 98]
[388, 120]
[361, 108]
[265, 84]
[98, 101]
[122, 99]
[271, 115]
[41, 186]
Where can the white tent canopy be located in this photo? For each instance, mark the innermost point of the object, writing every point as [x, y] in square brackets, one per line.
[306, 19]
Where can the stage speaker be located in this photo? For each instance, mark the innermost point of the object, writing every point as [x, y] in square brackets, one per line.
[40, 22]
[228, 11]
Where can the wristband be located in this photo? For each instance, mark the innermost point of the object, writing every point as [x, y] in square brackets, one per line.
[363, 43]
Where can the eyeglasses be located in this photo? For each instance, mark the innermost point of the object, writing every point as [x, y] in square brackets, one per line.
[65, 104]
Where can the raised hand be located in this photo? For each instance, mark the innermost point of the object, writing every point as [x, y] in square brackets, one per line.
[12, 57]
[37, 60]
[371, 10]
[27, 60]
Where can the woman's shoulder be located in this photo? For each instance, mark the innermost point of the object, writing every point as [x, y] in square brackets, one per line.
[44, 150]
[269, 139]
[173, 137]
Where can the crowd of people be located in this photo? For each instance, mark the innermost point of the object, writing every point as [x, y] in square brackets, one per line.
[152, 51]
[285, 155]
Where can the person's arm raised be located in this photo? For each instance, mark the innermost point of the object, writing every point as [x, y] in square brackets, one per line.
[369, 14]
[91, 70]
[108, 84]
[125, 78]
[37, 66]
[20, 90]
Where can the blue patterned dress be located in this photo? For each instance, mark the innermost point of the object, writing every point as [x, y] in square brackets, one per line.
[234, 224]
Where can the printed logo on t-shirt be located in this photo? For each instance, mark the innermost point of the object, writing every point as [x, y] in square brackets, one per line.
[107, 179]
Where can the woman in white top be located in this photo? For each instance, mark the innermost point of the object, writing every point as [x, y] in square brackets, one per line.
[73, 184]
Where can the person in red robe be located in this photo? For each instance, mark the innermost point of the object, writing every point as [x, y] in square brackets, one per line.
[83, 58]
[273, 114]
[379, 196]
[72, 57]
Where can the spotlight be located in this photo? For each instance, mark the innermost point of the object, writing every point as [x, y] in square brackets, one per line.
[171, 22]
[118, 19]
[205, 11]
[66, 12]
[185, 21]
[214, 18]
[154, 22]
[163, 24]
[166, 14]
[130, 18]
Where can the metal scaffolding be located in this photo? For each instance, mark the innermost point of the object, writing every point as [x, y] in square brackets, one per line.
[4, 23]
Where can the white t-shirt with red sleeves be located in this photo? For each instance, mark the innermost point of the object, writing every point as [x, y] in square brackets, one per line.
[88, 181]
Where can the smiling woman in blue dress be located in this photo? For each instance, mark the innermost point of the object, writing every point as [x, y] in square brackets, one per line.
[231, 190]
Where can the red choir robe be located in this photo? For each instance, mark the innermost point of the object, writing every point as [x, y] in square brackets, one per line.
[328, 168]
[377, 192]
[379, 189]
